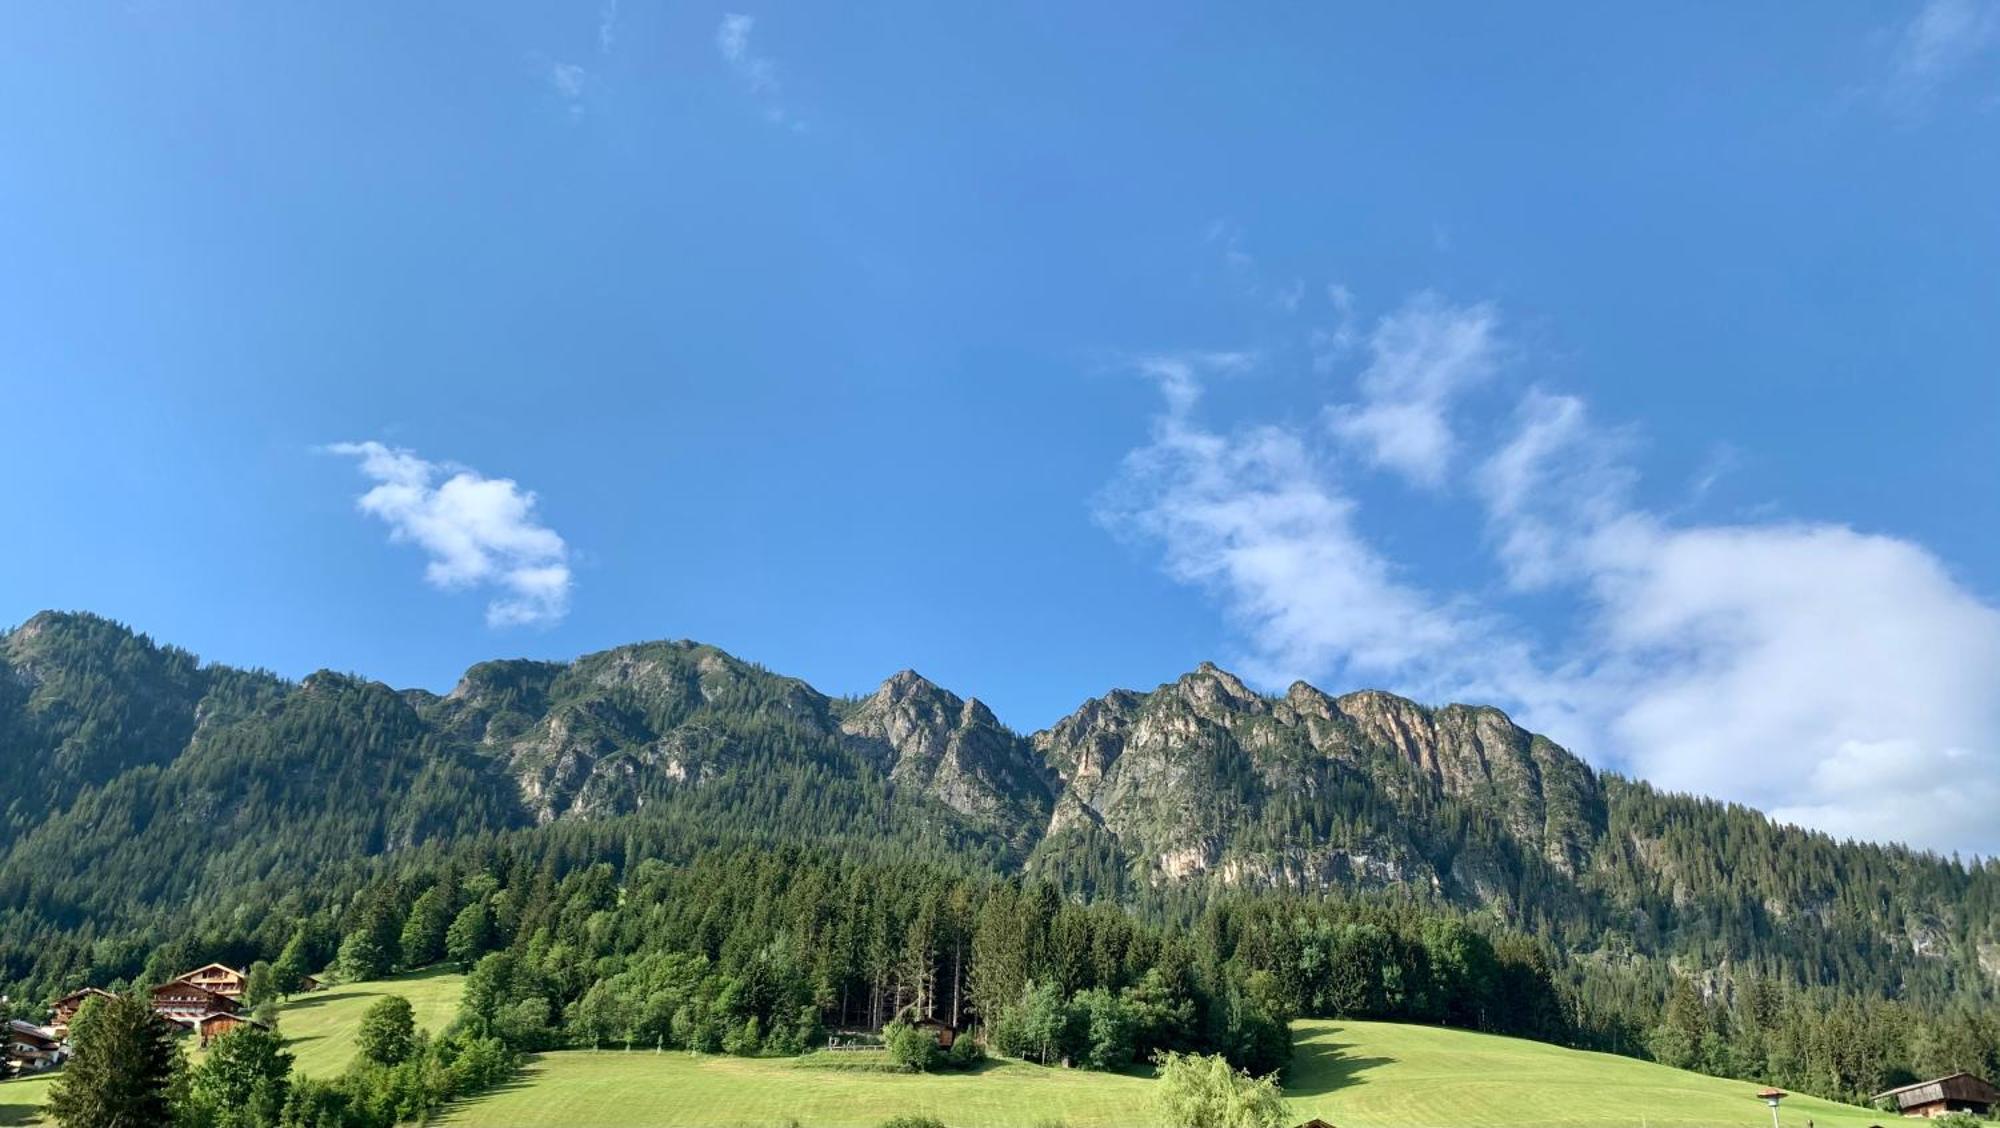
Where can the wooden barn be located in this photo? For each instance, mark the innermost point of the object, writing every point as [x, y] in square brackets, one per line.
[215, 1024]
[1960, 1092]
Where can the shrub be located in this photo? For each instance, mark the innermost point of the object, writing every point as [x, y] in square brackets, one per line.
[911, 1047]
[388, 1030]
[965, 1053]
[912, 1122]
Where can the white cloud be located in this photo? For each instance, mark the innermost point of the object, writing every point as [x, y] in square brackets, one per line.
[1421, 357]
[1839, 679]
[480, 532]
[1938, 43]
[1258, 518]
[1835, 677]
[757, 72]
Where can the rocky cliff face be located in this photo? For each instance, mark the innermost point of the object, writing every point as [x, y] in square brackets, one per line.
[955, 751]
[1205, 777]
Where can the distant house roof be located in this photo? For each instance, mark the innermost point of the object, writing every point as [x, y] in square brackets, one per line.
[82, 993]
[1315, 1122]
[29, 1032]
[225, 968]
[1956, 1087]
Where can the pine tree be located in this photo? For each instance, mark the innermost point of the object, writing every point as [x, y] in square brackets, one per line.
[423, 939]
[121, 1069]
[293, 963]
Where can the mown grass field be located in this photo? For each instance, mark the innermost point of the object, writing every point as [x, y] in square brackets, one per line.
[1353, 1074]
[319, 1028]
[22, 1098]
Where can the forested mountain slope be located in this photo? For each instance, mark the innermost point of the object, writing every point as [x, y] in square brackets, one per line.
[142, 793]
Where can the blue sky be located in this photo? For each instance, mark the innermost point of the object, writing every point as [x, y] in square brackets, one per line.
[1635, 371]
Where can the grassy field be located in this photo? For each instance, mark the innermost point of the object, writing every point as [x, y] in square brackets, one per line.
[1354, 1074]
[22, 1098]
[318, 1028]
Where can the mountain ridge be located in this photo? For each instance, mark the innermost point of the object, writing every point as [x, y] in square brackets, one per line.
[135, 780]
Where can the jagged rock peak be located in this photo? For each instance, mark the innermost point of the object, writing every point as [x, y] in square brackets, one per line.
[909, 683]
[1310, 700]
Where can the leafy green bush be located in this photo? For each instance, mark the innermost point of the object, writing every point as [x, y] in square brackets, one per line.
[912, 1122]
[965, 1053]
[911, 1047]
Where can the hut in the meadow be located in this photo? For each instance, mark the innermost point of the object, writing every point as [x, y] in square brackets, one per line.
[1960, 1092]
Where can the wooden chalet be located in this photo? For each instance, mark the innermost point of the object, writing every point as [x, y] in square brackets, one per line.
[219, 978]
[184, 1002]
[1315, 1122]
[64, 1009]
[29, 1048]
[309, 983]
[1960, 1092]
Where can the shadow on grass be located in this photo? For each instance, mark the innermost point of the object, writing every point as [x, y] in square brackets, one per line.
[1322, 1066]
[531, 1071]
[12, 1114]
[322, 998]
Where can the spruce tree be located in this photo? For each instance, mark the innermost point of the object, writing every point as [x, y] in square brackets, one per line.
[121, 1069]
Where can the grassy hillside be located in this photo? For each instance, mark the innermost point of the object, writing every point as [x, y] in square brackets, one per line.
[1354, 1074]
[319, 1028]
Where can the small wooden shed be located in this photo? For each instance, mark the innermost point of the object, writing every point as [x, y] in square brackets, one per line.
[1960, 1092]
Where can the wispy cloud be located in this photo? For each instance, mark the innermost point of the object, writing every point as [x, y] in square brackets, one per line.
[1421, 358]
[607, 26]
[1260, 519]
[1942, 40]
[479, 532]
[569, 82]
[759, 73]
[1838, 678]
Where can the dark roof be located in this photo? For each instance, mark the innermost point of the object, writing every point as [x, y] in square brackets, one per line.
[1956, 1087]
[29, 1030]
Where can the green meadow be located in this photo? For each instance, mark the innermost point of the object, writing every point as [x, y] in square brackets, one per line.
[319, 1028]
[1352, 1074]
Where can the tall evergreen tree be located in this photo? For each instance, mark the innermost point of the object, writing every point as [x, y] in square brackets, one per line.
[121, 1069]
